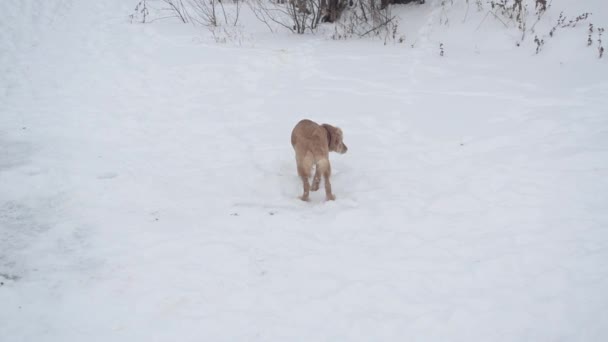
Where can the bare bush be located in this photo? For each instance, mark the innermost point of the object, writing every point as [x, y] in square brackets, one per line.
[213, 13]
[178, 8]
[539, 44]
[519, 14]
[515, 11]
[367, 18]
[298, 16]
[284, 14]
[141, 12]
[208, 13]
[358, 18]
[600, 47]
[147, 11]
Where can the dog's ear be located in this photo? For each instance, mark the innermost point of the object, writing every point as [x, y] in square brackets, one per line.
[329, 129]
[334, 137]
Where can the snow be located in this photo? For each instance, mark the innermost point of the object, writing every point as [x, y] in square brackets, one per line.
[148, 188]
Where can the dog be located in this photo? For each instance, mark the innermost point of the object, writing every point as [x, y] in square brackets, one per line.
[312, 143]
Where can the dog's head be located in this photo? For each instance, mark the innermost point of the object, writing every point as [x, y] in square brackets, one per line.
[336, 143]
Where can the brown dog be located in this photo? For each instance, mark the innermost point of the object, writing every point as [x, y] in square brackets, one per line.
[312, 143]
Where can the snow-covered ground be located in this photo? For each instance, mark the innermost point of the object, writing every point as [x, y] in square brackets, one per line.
[148, 189]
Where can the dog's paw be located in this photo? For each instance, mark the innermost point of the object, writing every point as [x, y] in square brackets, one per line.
[314, 187]
[330, 197]
[304, 198]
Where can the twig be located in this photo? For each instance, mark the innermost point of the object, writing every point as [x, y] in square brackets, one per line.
[377, 27]
[466, 13]
[497, 17]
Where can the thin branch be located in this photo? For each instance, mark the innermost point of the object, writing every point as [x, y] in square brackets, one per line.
[377, 27]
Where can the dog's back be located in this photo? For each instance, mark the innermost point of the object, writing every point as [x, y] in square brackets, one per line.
[309, 137]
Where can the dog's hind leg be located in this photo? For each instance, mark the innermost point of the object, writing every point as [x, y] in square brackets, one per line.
[316, 180]
[324, 168]
[304, 168]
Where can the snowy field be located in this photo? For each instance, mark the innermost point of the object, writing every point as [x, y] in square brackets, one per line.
[148, 189]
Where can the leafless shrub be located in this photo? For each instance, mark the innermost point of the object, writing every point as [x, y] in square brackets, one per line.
[561, 22]
[298, 16]
[352, 18]
[178, 8]
[479, 5]
[208, 13]
[213, 13]
[368, 18]
[600, 47]
[141, 12]
[541, 5]
[539, 44]
[514, 11]
[147, 11]
[517, 13]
